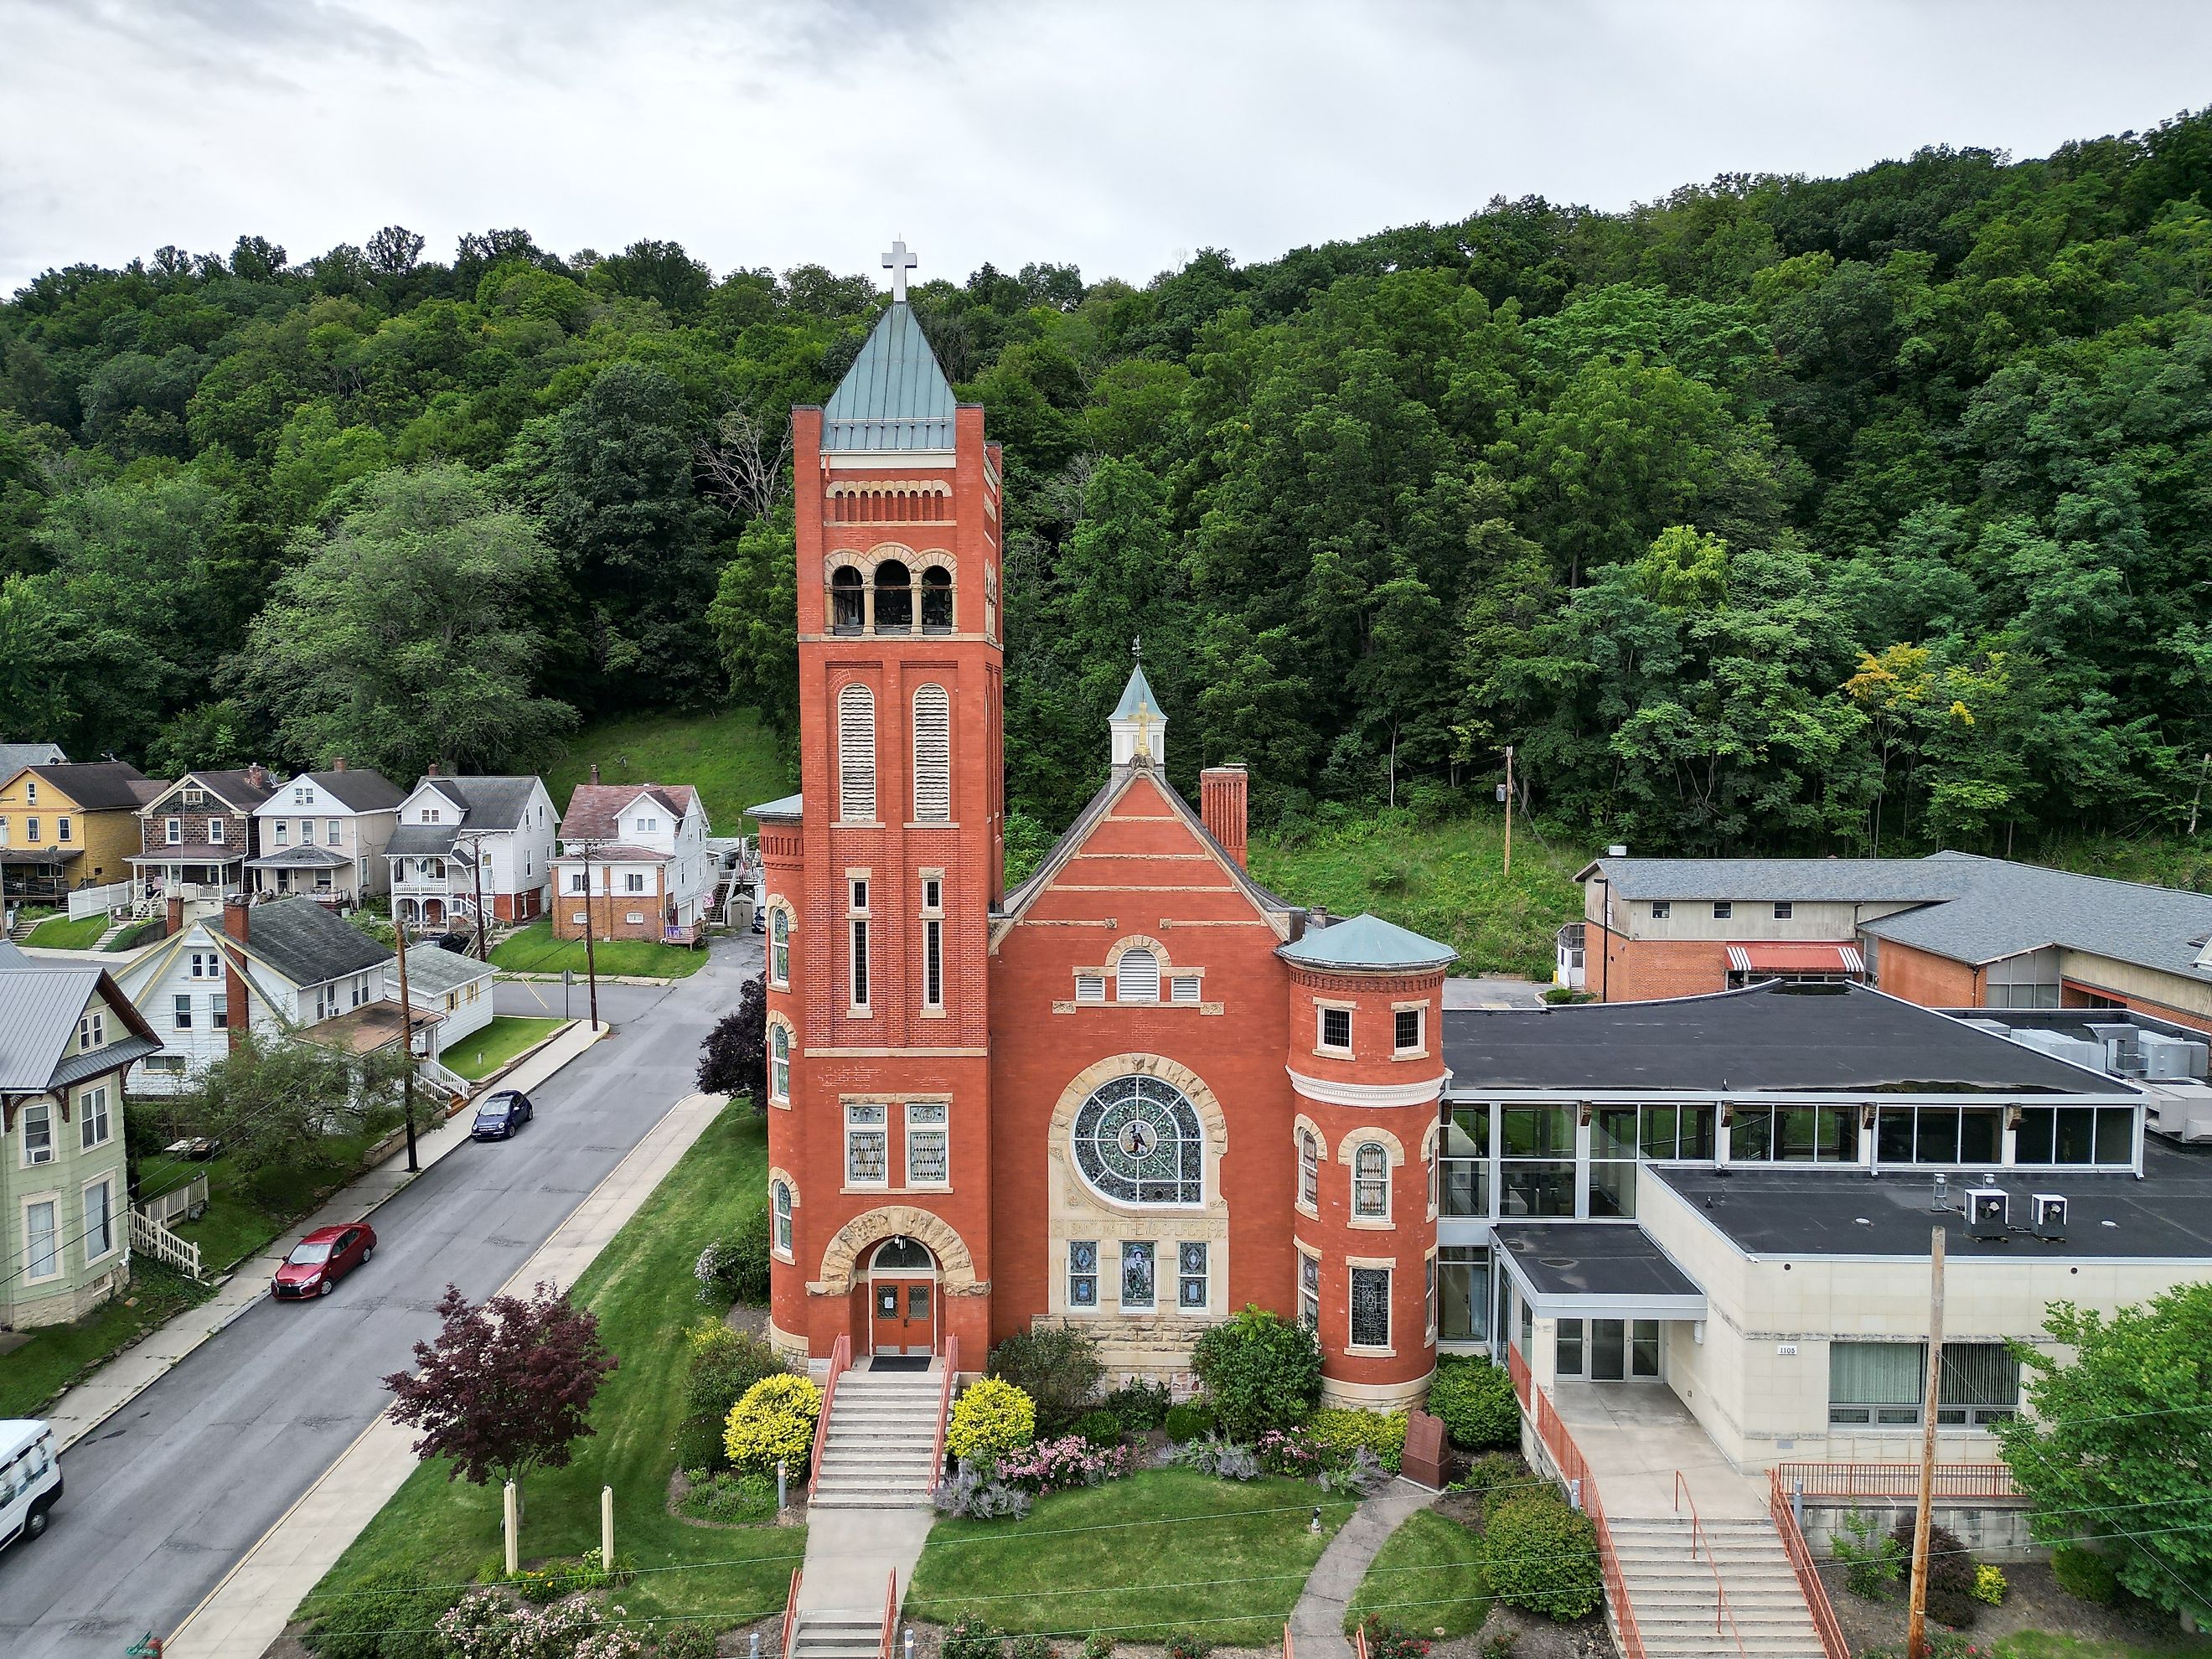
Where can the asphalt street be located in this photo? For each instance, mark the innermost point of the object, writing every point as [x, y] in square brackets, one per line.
[164, 1496]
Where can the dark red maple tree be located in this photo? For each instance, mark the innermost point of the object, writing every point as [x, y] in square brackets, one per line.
[507, 1387]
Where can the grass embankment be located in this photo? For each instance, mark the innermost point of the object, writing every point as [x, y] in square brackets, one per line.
[1441, 879]
[1162, 1551]
[1428, 1577]
[728, 756]
[243, 1215]
[641, 1288]
[533, 950]
[481, 1053]
[60, 933]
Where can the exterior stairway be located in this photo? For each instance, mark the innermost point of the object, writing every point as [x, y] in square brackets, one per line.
[880, 1449]
[839, 1633]
[1670, 1586]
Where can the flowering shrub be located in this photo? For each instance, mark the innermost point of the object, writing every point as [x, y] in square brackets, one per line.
[1057, 1465]
[487, 1626]
[1340, 1432]
[1288, 1451]
[991, 1418]
[1988, 1584]
[1388, 1642]
[552, 1582]
[1187, 1645]
[773, 1420]
[969, 1637]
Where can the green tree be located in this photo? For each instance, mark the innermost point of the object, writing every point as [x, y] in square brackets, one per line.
[2115, 1448]
[401, 637]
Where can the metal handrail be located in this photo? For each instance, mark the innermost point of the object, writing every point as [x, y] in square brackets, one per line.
[1552, 1431]
[1808, 1576]
[1974, 1480]
[944, 1409]
[791, 1614]
[1288, 1652]
[840, 1357]
[890, 1616]
[1697, 1540]
[1359, 1639]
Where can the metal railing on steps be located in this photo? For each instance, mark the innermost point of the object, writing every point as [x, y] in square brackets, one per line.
[791, 1614]
[944, 1410]
[890, 1616]
[1698, 1541]
[841, 1358]
[1567, 1457]
[1825, 1623]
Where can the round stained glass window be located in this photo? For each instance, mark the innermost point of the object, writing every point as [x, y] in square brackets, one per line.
[1138, 1141]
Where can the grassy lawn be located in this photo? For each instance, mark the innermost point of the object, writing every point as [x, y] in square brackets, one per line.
[481, 1052]
[1128, 1556]
[642, 1290]
[533, 950]
[60, 933]
[58, 1355]
[1439, 879]
[728, 756]
[1427, 1576]
[2041, 1644]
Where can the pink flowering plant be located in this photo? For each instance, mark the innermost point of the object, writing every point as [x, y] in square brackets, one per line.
[1289, 1451]
[1058, 1465]
[487, 1626]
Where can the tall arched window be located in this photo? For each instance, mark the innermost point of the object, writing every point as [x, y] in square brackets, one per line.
[856, 755]
[781, 1193]
[848, 603]
[894, 599]
[1137, 977]
[932, 755]
[1308, 1170]
[779, 1063]
[1371, 1182]
[779, 947]
[936, 601]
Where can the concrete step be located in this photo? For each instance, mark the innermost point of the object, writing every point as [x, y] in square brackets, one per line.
[867, 1500]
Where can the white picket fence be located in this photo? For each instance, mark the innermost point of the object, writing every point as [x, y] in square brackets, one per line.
[98, 901]
[150, 1237]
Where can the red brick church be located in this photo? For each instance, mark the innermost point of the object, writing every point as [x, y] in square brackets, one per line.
[1137, 1092]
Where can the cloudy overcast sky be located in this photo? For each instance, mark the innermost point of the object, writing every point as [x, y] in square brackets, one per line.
[1116, 134]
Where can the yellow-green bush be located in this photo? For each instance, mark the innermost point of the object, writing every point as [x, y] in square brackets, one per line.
[991, 1418]
[1342, 1430]
[773, 1420]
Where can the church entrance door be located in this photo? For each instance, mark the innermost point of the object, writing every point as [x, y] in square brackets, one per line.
[902, 1299]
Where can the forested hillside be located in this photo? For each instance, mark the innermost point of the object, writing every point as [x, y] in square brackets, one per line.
[1796, 513]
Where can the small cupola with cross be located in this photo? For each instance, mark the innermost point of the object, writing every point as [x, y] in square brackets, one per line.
[1141, 731]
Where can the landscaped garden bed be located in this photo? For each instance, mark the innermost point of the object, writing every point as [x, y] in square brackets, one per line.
[2037, 1620]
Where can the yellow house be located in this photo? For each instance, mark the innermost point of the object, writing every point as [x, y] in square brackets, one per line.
[71, 824]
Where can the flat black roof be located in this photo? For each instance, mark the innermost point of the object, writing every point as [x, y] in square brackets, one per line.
[1775, 1036]
[1591, 1258]
[1786, 1210]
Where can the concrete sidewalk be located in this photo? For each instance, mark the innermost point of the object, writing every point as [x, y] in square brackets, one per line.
[1317, 1621]
[82, 1409]
[249, 1609]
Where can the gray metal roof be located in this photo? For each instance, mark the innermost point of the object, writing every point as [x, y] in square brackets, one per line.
[287, 858]
[12, 956]
[76, 1068]
[1365, 941]
[1806, 881]
[434, 971]
[415, 841]
[1774, 1036]
[894, 396]
[784, 806]
[40, 1007]
[489, 803]
[1137, 695]
[307, 944]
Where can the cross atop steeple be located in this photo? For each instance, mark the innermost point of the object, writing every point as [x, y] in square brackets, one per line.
[1137, 647]
[898, 262]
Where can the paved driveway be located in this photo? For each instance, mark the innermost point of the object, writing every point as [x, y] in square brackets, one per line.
[173, 1489]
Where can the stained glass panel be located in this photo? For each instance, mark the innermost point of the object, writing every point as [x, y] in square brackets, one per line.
[1138, 1141]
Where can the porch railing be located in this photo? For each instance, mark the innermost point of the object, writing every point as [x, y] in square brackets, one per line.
[1567, 1458]
[1831, 1633]
[1953, 1480]
[841, 1358]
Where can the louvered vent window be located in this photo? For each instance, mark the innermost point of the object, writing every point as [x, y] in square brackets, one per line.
[1137, 977]
[1184, 988]
[932, 755]
[856, 755]
[1091, 987]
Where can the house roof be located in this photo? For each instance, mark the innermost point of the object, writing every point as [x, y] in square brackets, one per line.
[894, 396]
[49, 854]
[307, 944]
[783, 806]
[434, 971]
[614, 852]
[40, 1007]
[363, 790]
[1365, 942]
[417, 841]
[595, 810]
[487, 803]
[12, 956]
[1770, 1037]
[1806, 881]
[289, 858]
[95, 785]
[14, 756]
[241, 788]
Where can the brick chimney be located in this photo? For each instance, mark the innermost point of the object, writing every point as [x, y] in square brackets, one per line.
[337, 762]
[1221, 805]
[258, 775]
[595, 771]
[431, 770]
[237, 1008]
[172, 911]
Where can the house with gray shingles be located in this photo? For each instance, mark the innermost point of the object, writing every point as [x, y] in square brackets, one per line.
[460, 838]
[323, 834]
[16, 755]
[1954, 930]
[67, 1039]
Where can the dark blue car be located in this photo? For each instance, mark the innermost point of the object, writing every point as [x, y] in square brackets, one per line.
[501, 1114]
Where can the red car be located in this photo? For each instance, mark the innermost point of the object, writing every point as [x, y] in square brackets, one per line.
[324, 1257]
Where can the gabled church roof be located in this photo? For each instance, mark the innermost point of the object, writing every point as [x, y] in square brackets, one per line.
[894, 396]
[1365, 941]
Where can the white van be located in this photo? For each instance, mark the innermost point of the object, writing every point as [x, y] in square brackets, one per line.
[30, 1478]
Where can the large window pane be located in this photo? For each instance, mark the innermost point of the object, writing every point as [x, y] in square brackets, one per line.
[1613, 1132]
[1893, 1136]
[1465, 1187]
[1751, 1137]
[1612, 1189]
[1878, 1379]
[1695, 1135]
[1659, 1130]
[1794, 1134]
[2076, 1127]
[2115, 1135]
[1538, 1131]
[2031, 1142]
[1527, 1189]
[1981, 1136]
[1935, 1135]
[1463, 1292]
[1608, 1358]
[1567, 1348]
[1644, 1348]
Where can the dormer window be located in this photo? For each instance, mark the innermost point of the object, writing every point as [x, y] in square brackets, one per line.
[648, 824]
[194, 797]
[429, 815]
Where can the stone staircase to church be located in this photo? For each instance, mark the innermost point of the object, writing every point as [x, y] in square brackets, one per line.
[1670, 1585]
[881, 1448]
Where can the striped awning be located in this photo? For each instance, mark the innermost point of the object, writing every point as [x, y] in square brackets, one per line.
[1773, 956]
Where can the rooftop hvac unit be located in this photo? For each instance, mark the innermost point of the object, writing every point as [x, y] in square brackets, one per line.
[1993, 1027]
[2170, 1059]
[2076, 1050]
[1989, 1213]
[2122, 1055]
[2050, 1215]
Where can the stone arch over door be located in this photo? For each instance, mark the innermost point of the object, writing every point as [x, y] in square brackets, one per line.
[841, 1261]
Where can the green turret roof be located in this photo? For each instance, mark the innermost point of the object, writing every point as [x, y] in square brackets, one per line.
[1366, 941]
[894, 396]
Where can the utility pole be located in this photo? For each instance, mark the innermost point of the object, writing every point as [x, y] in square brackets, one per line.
[1916, 1628]
[476, 868]
[2203, 765]
[406, 1044]
[1509, 810]
[591, 961]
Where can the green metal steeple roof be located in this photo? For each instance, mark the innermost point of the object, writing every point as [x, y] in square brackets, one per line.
[1138, 693]
[894, 396]
[1366, 941]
